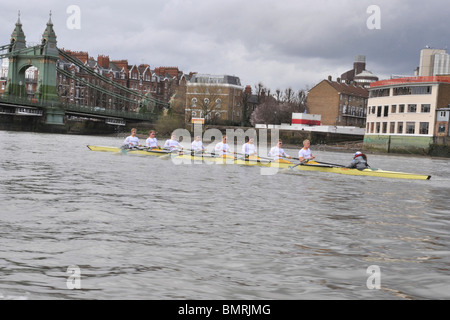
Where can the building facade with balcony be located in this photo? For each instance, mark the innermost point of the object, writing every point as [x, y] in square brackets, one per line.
[215, 98]
[402, 113]
[339, 103]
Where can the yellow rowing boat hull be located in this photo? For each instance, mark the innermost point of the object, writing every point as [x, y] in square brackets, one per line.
[256, 161]
[356, 172]
[153, 152]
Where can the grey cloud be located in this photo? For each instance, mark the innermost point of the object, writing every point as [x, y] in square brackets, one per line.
[287, 43]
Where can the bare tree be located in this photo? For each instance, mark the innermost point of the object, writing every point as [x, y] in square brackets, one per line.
[206, 101]
[266, 113]
[278, 109]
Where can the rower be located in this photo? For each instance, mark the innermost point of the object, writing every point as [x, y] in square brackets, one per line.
[173, 144]
[222, 148]
[305, 155]
[197, 145]
[249, 149]
[131, 141]
[152, 142]
[278, 153]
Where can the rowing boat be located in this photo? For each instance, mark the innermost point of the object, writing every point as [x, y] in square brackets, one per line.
[355, 172]
[187, 158]
[143, 151]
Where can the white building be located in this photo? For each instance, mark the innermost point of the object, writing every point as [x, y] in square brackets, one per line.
[401, 113]
[434, 62]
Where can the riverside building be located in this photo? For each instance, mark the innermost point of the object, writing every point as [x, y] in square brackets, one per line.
[402, 113]
[215, 98]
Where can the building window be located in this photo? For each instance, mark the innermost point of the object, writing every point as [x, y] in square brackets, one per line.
[379, 110]
[373, 109]
[378, 127]
[400, 127]
[425, 108]
[384, 127]
[394, 108]
[392, 127]
[412, 108]
[410, 128]
[441, 128]
[379, 93]
[410, 90]
[423, 128]
[386, 111]
[372, 127]
[401, 108]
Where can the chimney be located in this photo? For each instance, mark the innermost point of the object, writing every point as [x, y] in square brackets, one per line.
[103, 61]
[360, 64]
[248, 90]
[339, 80]
[330, 78]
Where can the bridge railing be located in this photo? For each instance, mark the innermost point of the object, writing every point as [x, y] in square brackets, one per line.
[94, 111]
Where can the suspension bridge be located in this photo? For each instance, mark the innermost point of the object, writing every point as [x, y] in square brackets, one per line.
[62, 77]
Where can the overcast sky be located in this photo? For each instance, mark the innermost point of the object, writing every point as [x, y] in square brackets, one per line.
[284, 43]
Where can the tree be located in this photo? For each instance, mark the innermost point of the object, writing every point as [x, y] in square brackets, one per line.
[246, 113]
[206, 102]
[266, 112]
[279, 108]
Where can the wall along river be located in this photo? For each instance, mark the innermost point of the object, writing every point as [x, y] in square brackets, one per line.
[140, 227]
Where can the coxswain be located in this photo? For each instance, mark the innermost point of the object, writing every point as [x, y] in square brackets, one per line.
[359, 161]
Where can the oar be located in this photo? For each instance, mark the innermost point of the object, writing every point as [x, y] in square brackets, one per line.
[300, 164]
[319, 164]
[245, 157]
[331, 164]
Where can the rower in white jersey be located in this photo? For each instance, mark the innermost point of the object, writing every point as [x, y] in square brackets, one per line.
[278, 153]
[222, 148]
[152, 142]
[131, 141]
[305, 155]
[249, 149]
[197, 145]
[173, 144]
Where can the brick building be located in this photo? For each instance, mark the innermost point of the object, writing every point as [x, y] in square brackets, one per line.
[216, 98]
[161, 83]
[339, 103]
[359, 74]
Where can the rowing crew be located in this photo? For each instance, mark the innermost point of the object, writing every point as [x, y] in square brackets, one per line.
[248, 149]
[132, 142]
[221, 148]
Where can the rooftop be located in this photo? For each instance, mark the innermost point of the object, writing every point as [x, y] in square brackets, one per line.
[409, 80]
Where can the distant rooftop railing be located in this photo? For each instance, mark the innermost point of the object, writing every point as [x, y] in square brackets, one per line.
[409, 80]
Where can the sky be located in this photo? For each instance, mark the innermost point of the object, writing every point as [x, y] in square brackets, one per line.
[281, 44]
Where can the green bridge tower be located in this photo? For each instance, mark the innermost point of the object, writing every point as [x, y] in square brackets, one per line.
[44, 57]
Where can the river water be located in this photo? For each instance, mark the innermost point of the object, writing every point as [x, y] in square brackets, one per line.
[117, 226]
